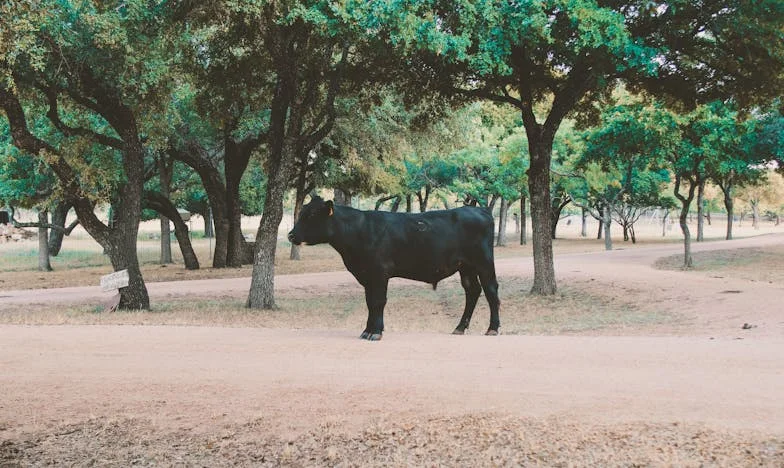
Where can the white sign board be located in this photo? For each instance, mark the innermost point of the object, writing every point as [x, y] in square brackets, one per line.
[116, 280]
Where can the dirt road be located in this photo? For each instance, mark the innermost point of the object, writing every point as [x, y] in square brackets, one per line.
[586, 400]
[196, 376]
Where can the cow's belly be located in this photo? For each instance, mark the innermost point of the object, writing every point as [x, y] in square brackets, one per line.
[431, 274]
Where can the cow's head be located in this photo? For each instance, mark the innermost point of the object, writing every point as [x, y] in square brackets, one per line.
[314, 225]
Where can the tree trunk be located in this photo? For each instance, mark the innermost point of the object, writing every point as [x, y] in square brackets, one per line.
[166, 208]
[607, 221]
[59, 216]
[209, 231]
[409, 205]
[166, 253]
[701, 211]
[523, 226]
[517, 223]
[43, 242]
[539, 188]
[501, 242]
[285, 142]
[683, 218]
[687, 259]
[625, 232]
[555, 212]
[664, 222]
[196, 157]
[262, 290]
[584, 223]
[423, 199]
[755, 214]
[491, 202]
[165, 173]
[299, 200]
[123, 255]
[236, 159]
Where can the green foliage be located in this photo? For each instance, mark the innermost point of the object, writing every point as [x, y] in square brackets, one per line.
[623, 158]
[253, 189]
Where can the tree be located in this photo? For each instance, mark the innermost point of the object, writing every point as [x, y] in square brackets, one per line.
[88, 76]
[553, 58]
[309, 48]
[618, 158]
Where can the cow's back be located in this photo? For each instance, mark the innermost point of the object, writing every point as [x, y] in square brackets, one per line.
[431, 246]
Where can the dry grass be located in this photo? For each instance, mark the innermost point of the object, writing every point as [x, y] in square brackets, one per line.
[471, 440]
[576, 309]
[18, 263]
[753, 264]
[85, 268]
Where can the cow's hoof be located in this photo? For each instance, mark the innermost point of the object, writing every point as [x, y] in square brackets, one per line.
[492, 332]
[370, 336]
[458, 331]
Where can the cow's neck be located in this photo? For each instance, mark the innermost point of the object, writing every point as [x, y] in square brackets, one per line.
[346, 239]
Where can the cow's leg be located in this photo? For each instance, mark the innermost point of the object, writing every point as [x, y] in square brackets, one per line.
[376, 299]
[470, 282]
[490, 287]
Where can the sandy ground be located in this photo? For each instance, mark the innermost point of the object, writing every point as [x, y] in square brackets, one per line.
[702, 392]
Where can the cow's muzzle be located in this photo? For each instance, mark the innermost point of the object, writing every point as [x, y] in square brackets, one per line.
[292, 239]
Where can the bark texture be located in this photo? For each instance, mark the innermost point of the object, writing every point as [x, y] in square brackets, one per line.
[162, 205]
[43, 242]
[501, 241]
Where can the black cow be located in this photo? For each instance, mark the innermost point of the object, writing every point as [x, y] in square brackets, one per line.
[428, 247]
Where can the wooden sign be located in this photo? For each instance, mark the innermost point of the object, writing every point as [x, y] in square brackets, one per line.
[116, 280]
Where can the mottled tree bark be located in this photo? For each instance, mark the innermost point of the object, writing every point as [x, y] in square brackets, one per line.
[539, 188]
[501, 241]
[729, 206]
[163, 206]
[701, 211]
[59, 217]
[43, 241]
[236, 161]
[684, 217]
[165, 174]
[607, 221]
[523, 221]
[299, 198]
[755, 215]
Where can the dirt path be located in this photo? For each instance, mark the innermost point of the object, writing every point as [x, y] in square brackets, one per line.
[206, 377]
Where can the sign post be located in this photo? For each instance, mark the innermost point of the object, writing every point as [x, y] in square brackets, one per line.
[114, 282]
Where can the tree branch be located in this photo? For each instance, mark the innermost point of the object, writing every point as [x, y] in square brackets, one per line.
[65, 230]
[54, 117]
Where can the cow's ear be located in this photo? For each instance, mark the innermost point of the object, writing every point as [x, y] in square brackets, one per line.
[330, 207]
